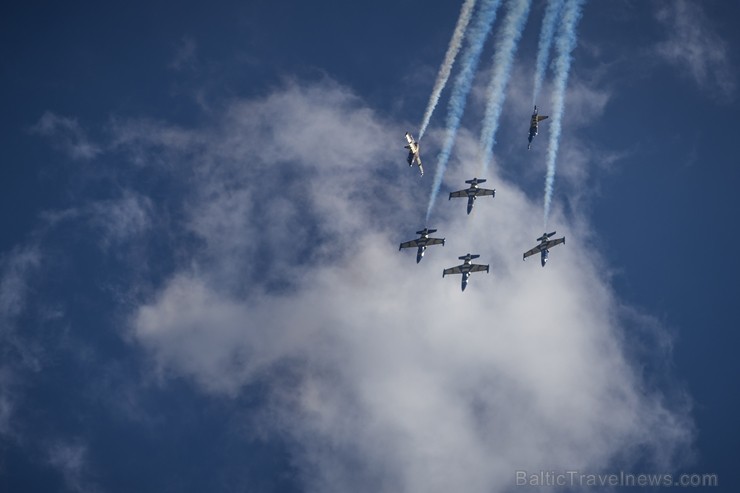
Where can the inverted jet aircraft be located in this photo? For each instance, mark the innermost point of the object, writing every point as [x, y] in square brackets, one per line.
[413, 157]
[473, 192]
[544, 247]
[466, 268]
[422, 242]
[534, 125]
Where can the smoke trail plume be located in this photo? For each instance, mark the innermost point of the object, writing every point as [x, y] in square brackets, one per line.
[564, 45]
[461, 87]
[506, 45]
[552, 12]
[444, 71]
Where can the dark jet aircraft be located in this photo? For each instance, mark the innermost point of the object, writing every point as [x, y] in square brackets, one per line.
[422, 242]
[466, 268]
[534, 125]
[413, 157]
[473, 192]
[544, 247]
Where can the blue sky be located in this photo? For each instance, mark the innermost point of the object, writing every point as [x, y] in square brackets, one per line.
[200, 287]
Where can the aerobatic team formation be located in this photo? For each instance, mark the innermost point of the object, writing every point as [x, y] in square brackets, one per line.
[559, 29]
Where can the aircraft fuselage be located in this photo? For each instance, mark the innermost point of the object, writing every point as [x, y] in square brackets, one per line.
[472, 195]
[471, 201]
[465, 276]
[420, 253]
[534, 126]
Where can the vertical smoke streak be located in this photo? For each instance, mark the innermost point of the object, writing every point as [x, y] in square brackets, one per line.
[461, 87]
[564, 45]
[444, 71]
[506, 44]
[552, 12]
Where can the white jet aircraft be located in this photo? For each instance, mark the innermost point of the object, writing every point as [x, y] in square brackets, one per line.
[473, 192]
[544, 247]
[413, 157]
[422, 242]
[466, 268]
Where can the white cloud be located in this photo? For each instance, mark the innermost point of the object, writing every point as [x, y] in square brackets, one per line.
[67, 135]
[185, 55]
[112, 221]
[7, 401]
[70, 459]
[385, 375]
[692, 44]
[123, 219]
[16, 267]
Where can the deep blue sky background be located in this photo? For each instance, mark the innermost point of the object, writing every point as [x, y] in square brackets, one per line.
[664, 212]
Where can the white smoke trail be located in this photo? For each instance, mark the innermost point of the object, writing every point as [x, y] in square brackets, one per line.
[552, 12]
[506, 45]
[564, 45]
[444, 71]
[461, 87]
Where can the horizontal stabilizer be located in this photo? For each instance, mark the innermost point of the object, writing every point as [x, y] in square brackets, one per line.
[475, 181]
[469, 257]
[426, 231]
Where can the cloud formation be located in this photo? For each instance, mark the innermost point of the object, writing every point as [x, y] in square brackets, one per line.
[693, 45]
[383, 375]
[16, 267]
[67, 135]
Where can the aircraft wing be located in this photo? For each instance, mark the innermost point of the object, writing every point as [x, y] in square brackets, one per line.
[534, 250]
[459, 193]
[435, 241]
[479, 268]
[541, 117]
[481, 192]
[452, 270]
[552, 243]
[409, 244]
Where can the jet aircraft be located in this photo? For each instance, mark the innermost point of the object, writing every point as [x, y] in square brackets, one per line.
[534, 125]
[473, 192]
[466, 268]
[413, 157]
[422, 242]
[544, 247]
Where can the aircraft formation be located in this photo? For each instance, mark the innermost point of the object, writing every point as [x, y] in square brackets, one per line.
[558, 34]
[471, 193]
